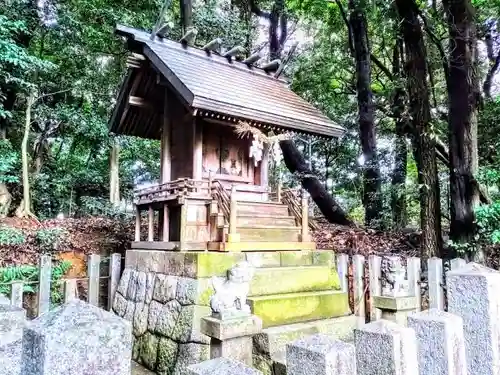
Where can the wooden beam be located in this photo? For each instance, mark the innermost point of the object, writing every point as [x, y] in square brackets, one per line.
[139, 102]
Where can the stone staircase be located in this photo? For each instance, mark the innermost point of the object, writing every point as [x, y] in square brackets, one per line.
[296, 294]
[261, 222]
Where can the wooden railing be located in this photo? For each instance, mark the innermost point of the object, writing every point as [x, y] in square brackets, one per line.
[298, 206]
[172, 190]
[220, 194]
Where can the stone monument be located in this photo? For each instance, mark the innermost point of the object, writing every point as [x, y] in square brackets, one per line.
[395, 302]
[231, 326]
[77, 339]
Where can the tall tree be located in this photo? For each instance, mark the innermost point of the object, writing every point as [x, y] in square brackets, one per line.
[278, 25]
[418, 93]
[398, 191]
[372, 198]
[463, 101]
[186, 11]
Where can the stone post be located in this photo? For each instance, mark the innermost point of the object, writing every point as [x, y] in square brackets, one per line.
[440, 342]
[473, 295]
[12, 320]
[221, 366]
[384, 347]
[77, 339]
[232, 337]
[320, 355]
[395, 309]
[395, 303]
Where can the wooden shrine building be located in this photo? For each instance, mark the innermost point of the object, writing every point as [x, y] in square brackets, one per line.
[212, 195]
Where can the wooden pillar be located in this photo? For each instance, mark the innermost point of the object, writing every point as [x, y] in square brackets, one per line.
[197, 150]
[264, 170]
[166, 157]
[233, 236]
[305, 218]
[150, 224]
[137, 224]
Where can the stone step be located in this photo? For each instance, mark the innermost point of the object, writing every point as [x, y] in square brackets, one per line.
[268, 208]
[280, 280]
[274, 339]
[262, 219]
[270, 345]
[279, 309]
[267, 233]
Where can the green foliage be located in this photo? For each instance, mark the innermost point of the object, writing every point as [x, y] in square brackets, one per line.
[29, 275]
[488, 222]
[11, 236]
[9, 163]
[50, 239]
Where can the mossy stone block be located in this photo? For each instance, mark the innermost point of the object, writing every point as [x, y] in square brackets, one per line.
[167, 356]
[208, 264]
[148, 350]
[323, 258]
[296, 258]
[293, 280]
[281, 309]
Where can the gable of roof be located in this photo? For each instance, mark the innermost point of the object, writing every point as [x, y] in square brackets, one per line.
[210, 82]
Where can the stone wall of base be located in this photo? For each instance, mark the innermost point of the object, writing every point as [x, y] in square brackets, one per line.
[166, 293]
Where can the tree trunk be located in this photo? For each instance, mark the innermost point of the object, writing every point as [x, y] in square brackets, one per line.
[186, 11]
[24, 209]
[297, 165]
[463, 98]
[372, 198]
[114, 177]
[398, 182]
[278, 20]
[424, 147]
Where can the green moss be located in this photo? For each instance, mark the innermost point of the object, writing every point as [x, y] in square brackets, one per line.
[208, 264]
[205, 291]
[299, 307]
[323, 258]
[167, 356]
[296, 258]
[293, 280]
[148, 350]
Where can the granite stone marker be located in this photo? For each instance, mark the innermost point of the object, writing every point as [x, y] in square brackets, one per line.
[473, 295]
[12, 320]
[221, 366]
[320, 355]
[232, 338]
[440, 342]
[77, 339]
[385, 347]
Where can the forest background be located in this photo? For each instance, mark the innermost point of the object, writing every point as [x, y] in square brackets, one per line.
[414, 83]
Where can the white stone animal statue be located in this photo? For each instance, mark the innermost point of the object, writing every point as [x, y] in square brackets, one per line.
[231, 293]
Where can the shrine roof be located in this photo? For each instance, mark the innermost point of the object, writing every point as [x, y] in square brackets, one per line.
[211, 83]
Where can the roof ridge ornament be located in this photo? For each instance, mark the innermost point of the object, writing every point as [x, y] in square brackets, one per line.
[252, 59]
[235, 51]
[213, 46]
[271, 66]
[189, 37]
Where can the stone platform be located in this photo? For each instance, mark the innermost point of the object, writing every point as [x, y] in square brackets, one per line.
[166, 293]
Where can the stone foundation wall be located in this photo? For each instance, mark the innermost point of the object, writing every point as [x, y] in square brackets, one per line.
[166, 293]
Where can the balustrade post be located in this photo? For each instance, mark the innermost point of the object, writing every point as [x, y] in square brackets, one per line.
[150, 224]
[279, 188]
[137, 224]
[233, 236]
[210, 181]
[305, 218]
